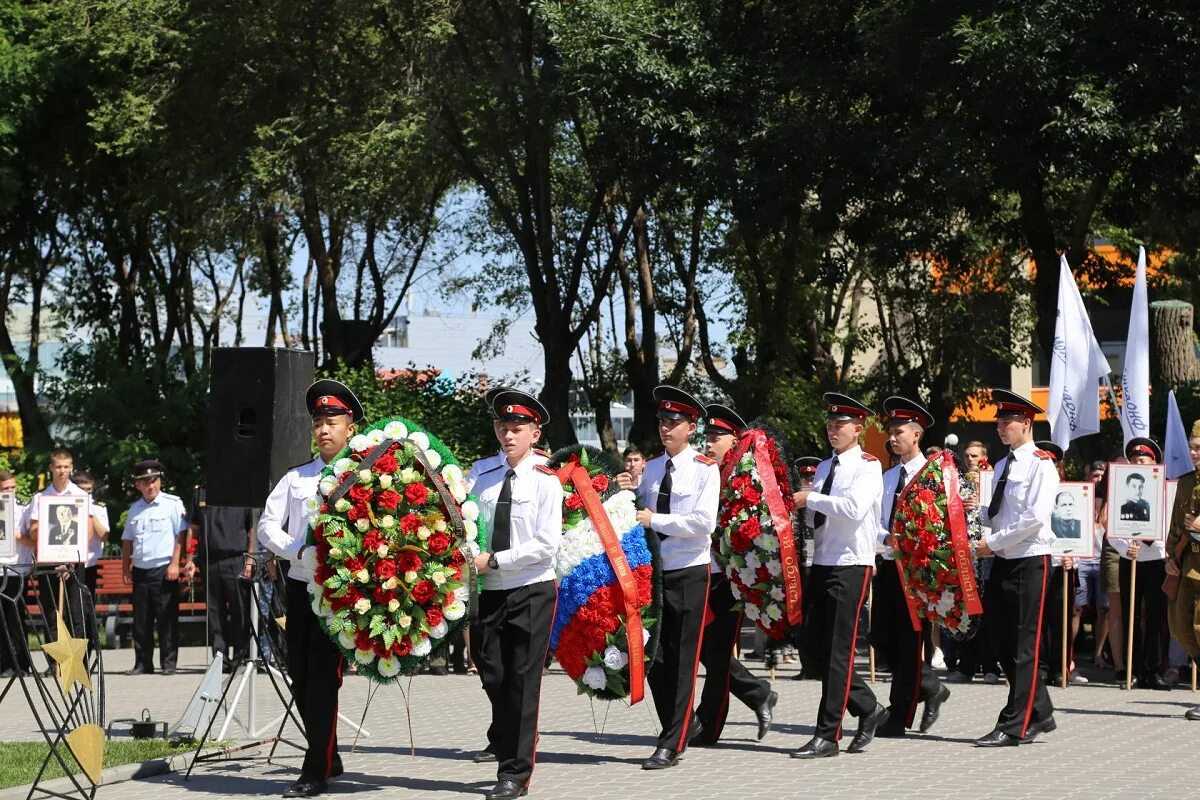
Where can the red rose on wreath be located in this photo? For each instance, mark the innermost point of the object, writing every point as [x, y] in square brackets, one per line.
[318, 534]
[750, 528]
[409, 523]
[423, 591]
[388, 500]
[354, 564]
[740, 542]
[408, 561]
[439, 543]
[740, 483]
[433, 616]
[402, 647]
[323, 572]
[356, 513]
[372, 540]
[416, 494]
[360, 494]
[574, 501]
[600, 483]
[752, 496]
[362, 640]
[385, 569]
[383, 596]
[457, 559]
[386, 464]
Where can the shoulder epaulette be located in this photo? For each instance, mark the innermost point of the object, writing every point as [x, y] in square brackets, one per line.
[541, 452]
[1042, 454]
[868, 457]
[703, 459]
[545, 469]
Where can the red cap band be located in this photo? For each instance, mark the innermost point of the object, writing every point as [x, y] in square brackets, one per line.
[678, 408]
[717, 422]
[849, 411]
[1142, 449]
[1014, 408]
[524, 411]
[329, 401]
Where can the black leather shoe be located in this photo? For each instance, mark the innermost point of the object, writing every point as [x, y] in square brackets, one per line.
[698, 736]
[663, 757]
[507, 790]
[1047, 725]
[890, 730]
[484, 757]
[140, 670]
[337, 770]
[866, 729]
[764, 713]
[997, 738]
[1193, 714]
[817, 748]
[168, 670]
[933, 707]
[305, 787]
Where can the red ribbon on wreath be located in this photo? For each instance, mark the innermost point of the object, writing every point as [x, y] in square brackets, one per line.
[781, 520]
[577, 474]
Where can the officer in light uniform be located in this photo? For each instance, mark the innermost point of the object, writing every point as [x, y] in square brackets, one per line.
[892, 632]
[1021, 540]
[724, 674]
[152, 545]
[13, 570]
[845, 514]
[679, 492]
[520, 500]
[314, 662]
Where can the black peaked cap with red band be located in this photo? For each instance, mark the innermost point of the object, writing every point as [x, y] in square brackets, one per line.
[901, 409]
[807, 465]
[723, 419]
[513, 405]
[328, 397]
[1010, 405]
[675, 403]
[844, 407]
[148, 469]
[1051, 448]
[1141, 446]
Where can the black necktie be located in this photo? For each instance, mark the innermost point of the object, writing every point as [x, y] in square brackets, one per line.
[901, 479]
[663, 506]
[998, 489]
[819, 518]
[502, 521]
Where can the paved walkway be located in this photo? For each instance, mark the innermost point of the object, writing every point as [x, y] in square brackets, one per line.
[1109, 744]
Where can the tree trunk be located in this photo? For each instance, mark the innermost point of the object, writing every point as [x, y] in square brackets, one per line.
[1173, 344]
[556, 394]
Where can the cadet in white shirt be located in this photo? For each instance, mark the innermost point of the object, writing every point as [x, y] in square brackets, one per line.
[846, 523]
[679, 490]
[13, 570]
[520, 500]
[314, 662]
[1021, 540]
[892, 632]
[724, 674]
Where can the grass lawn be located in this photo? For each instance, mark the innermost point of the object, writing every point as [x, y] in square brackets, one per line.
[19, 761]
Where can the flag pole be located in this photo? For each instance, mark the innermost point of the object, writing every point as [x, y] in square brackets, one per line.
[1129, 632]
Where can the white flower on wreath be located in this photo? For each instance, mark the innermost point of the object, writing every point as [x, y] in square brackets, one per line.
[470, 510]
[747, 576]
[366, 477]
[776, 593]
[419, 439]
[615, 658]
[376, 437]
[395, 430]
[645, 637]
[452, 473]
[462, 593]
[434, 458]
[404, 621]
[362, 525]
[438, 578]
[422, 647]
[363, 605]
[387, 522]
[595, 678]
[751, 611]
[409, 475]
[945, 603]
[439, 631]
[735, 589]
[752, 561]
[346, 640]
[364, 656]
[470, 529]
[315, 602]
[328, 484]
[385, 481]
[342, 505]
[773, 612]
[309, 559]
[359, 442]
[410, 576]
[388, 667]
[343, 465]
[775, 567]
[455, 610]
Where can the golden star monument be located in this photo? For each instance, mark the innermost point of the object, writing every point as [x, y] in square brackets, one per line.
[67, 651]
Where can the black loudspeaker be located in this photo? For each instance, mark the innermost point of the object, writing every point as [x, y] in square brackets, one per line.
[258, 425]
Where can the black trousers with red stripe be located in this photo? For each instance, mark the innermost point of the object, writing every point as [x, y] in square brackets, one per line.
[315, 668]
[896, 642]
[833, 604]
[724, 674]
[1014, 602]
[672, 676]
[509, 640]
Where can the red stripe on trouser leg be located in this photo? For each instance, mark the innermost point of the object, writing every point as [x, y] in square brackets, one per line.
[329, 748]
[537, 714]
[687, 722]
[862, 598]
[1037, 644]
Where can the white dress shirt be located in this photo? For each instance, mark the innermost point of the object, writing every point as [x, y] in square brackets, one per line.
[848, 535]
[96, 546]
[22, 559]
[283, 526]
[695, 493]
[1022, 526]
[911, 468]
[535, 530]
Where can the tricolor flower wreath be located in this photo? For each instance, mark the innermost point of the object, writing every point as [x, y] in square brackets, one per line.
[933, 548]
[395, 533]
[592, 636]
[756, 544]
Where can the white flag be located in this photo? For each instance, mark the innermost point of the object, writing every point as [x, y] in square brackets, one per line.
[1076, 368]
[1135, 377]
[1176, 458]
